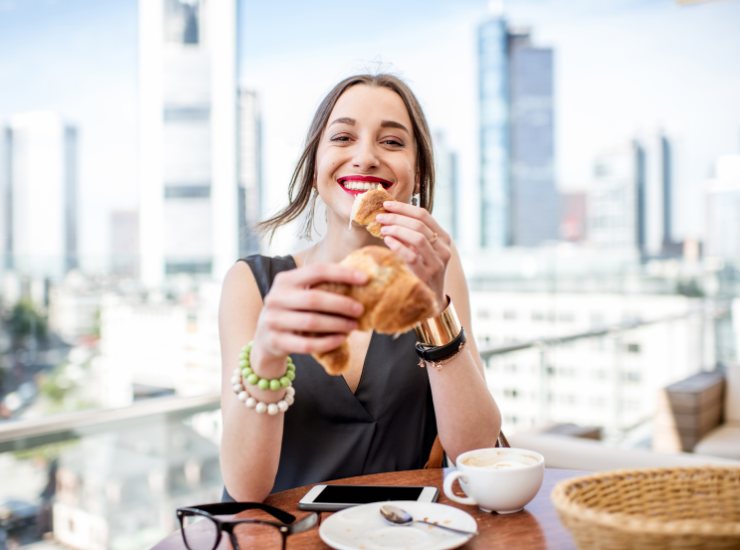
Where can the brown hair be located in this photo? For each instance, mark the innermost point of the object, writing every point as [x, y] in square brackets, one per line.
[301, 183]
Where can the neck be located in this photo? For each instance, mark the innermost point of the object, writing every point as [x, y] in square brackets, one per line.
[337, 243]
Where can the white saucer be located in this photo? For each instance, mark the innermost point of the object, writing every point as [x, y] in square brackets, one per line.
[362, 527]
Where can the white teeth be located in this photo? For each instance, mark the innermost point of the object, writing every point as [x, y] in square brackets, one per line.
[361, 185]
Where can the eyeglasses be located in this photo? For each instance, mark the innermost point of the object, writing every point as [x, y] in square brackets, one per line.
[202, 531]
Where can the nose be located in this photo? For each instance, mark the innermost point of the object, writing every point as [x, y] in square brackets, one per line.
[365, 155]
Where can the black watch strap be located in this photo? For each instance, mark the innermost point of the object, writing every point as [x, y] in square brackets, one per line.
[439, 354]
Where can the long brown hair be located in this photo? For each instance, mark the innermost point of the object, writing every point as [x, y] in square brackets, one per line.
[300, 194]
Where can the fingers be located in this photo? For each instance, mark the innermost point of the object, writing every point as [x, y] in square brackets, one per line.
[413, 234]
[306, 299]
[415, 218]
[292, 342]
[312, 322]
[424, 265]
[320, 273]
[420, 236]
[297, 318]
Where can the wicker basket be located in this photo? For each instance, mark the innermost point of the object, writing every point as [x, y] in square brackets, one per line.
[675, 508]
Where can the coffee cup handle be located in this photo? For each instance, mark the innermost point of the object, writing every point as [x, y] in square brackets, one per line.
[449, 480]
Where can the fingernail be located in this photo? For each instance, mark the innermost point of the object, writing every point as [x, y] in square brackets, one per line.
[381, 218]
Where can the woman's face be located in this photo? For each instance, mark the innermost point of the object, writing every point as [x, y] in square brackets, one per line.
[368, 141]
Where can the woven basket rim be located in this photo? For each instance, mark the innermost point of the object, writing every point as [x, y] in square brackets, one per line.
[641, 524]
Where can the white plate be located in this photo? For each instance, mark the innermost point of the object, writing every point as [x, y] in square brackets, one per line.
[363, 528]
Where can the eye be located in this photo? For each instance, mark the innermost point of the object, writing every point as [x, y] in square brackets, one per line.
[393, 142]
[340, 138]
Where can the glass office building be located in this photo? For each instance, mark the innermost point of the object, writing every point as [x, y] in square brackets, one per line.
[519, 202]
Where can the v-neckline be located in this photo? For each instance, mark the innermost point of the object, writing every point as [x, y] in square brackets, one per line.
[363, 368]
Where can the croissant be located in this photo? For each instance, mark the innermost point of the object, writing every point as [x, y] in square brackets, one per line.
[368, 205]
[394, 299]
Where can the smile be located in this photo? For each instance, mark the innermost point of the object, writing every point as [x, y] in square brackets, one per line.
[355, 184]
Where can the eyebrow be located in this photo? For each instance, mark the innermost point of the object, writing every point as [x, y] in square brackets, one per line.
[383, 123]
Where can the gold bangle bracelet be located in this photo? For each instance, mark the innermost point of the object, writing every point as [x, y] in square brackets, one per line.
[439, 330]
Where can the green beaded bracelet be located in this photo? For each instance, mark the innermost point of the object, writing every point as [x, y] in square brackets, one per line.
[253, 379]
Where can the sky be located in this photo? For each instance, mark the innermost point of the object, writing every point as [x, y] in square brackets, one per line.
[623, 69]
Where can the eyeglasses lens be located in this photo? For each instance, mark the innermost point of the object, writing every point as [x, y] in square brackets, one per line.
[199, 532]
[257, 535]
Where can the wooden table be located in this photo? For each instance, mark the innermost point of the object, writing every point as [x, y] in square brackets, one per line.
[536, 527]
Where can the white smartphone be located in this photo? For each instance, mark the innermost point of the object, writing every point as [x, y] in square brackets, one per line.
[337, 497]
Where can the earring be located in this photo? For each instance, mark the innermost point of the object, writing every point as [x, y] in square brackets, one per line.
[415, 199]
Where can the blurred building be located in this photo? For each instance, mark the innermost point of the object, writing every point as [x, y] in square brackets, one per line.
[630, 201]
[74, 308]
[40, 195]
[188, 138]
[659, 187]
[250, 171]
[124, 243]
[176, 350]
[446, 187]
[609, 378]
[616, 199]
[573, 217]
[519, 201]
[722, 215]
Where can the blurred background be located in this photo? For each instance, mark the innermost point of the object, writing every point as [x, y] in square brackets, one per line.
[588, 158]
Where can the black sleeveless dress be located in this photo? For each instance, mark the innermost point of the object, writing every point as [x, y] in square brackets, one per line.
[388, 424]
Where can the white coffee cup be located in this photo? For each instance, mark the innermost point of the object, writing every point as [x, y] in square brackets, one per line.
[501, 480]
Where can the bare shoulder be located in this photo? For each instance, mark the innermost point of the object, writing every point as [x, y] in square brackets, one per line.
[240, 296]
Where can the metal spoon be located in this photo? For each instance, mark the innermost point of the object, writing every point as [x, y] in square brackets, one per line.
[397, 515]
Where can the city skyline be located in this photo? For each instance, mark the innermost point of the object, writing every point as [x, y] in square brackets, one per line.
[624, 83]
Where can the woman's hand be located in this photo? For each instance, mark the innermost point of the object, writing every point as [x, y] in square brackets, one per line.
[418, 239]
[297, 318]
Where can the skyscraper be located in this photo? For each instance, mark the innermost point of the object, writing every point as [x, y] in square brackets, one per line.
[40, 218]
[666, 180]
[493, 97]
[630, 199]
[250, 171]
[519, 201]
[616, 200]
[187, 122]
[659, 195]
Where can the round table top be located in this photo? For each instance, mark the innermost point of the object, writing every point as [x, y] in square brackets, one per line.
[536, 527]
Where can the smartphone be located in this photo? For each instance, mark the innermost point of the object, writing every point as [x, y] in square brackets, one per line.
[337, 497]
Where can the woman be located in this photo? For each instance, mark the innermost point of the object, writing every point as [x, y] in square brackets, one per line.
[383, 413]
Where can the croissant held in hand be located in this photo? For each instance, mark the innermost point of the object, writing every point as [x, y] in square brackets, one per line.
[367, 206]
[394, 299]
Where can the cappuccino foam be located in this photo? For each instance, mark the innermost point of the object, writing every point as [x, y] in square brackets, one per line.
[499, 461]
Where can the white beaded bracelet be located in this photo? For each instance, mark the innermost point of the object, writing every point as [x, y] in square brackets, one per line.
[259, 406]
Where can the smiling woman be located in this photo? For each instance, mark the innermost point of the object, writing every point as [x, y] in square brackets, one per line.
[382, 413]
[414, 137]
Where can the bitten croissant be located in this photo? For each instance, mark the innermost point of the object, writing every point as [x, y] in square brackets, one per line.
[394, 299]
[367, 206]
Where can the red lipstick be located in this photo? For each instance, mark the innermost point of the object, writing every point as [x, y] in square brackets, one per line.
[344, 181]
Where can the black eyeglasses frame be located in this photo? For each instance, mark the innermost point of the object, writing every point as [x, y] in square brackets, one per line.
[287, 524]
